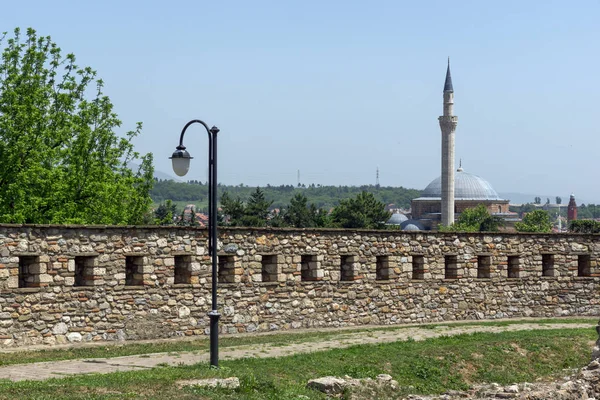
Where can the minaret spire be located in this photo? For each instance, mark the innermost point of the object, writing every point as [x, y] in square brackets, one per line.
[448, 122]
[448, 83]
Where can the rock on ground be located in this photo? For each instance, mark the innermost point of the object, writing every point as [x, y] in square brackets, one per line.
[227, 383]
[585, 385]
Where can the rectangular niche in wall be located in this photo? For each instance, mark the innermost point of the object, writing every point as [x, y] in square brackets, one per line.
[349, 268]
[84, 270]
[29, 271]
[513, 266]
[310, 268]
[229, 272]
[547, 264]
[183, 269]
[451, 267]
[583, 265]
[418, 267]
[270, 268]
[383, 268]
[134, 270]
[484, 264]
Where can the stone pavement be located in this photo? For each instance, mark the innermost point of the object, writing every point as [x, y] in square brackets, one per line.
[59, 369]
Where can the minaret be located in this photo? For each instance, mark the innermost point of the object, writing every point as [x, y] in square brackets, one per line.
[572, 209]
[448, 124]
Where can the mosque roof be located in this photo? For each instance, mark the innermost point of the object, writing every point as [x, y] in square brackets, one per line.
[466, 187]
[397, 219]
[412, 225]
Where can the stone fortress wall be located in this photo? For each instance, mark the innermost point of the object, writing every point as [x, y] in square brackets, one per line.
[61, 284]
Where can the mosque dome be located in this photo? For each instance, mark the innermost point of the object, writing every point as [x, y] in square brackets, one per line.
[412, 225]
[466, 187]
[397, 219]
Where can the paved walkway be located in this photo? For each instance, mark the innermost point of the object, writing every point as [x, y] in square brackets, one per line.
[59, 369]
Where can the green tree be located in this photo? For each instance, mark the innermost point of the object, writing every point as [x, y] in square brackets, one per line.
[363, 211]
[257, 208]
[60, 158]
[165, 212]
[537, 200]
[535, 221]
[232, 210]
[584, 226]
[299, 214]
[558, 200]
[476, 219]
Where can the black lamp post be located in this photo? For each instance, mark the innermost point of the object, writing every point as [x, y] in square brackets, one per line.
[181, 164]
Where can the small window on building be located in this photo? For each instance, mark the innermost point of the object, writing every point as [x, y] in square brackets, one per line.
[513, 266]
[271, 268]
[547, 264]
[29, 271]
[183, 269]
[134, 268]
[310, 268]
[418, 267]
[484, 264]
[451, 267]
[349, 268]
[84, 270]
[583, 265]
[230, 271]
[383, 269]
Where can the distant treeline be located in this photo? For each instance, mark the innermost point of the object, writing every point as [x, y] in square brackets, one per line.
[589, 211]
[321, 196]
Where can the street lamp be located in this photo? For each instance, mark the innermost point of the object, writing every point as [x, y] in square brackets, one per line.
[181, 164]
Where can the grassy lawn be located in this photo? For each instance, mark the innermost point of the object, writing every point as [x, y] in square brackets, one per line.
[430, 366]
[202, 344]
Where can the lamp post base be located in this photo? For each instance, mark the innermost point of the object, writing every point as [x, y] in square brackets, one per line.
[214, 337]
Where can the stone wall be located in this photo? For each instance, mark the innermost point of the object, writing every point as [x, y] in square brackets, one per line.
[77, 283]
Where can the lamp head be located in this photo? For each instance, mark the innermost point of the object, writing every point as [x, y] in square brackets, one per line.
[181, 161]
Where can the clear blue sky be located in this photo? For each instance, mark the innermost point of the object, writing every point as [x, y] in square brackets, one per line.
[339, 88]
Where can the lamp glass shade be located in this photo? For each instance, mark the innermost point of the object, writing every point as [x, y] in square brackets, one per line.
[181, 165]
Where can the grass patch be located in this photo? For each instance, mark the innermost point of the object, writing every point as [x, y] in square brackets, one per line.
[202, 343]
[429, 367]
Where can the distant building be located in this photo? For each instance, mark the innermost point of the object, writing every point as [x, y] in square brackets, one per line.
[452, 193]
[572, 209]
[469, 191]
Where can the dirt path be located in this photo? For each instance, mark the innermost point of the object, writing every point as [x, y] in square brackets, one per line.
[59, 369]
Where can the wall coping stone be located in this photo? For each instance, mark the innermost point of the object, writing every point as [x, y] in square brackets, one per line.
[315, 230]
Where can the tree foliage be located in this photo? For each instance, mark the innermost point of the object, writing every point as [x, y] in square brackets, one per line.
[476, 219]
[300, 214]
[60, 158]
[325, 197]
[254, 212]
[363, 211]
[584, 226]
[535, 221]
[588, 211]
[165, 213]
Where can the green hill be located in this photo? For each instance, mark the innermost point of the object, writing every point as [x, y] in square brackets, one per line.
[195, 192]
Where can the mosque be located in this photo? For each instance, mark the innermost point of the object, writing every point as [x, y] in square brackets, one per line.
[454, 191]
